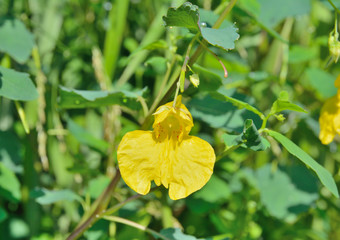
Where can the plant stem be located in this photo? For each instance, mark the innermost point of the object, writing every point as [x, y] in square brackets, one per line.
[224, 14]
[135, 225]
[335, 8]
[102, 202]
[191, 61]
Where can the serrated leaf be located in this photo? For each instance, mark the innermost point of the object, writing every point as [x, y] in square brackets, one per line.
[186, 15]
[71, 98]
[45, 196]
[249, 138]
[324, 176]
[282, 104]
[9, 185]
[15, 39]
[222, 37]
[16, 85]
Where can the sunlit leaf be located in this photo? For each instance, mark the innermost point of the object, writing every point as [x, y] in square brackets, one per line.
[9, 185]
[15, 39]
[186, 15]
[16, 85]
[45, 196]
[222, 37]
[282, 104]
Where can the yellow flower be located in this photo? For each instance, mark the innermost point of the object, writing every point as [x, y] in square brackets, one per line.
[167, 155]
[330, 117]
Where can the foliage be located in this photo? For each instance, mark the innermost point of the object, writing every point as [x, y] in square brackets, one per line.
[76, 76]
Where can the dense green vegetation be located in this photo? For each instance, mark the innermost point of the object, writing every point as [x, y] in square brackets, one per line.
[76, 76]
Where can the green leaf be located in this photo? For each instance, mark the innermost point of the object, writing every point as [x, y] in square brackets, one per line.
[185, 15]
[299, 54]
[275, 185]
[71, 98]
[10, 151]
[221, 114]
[176, 234]
[324, 176]
[9, 185]
[158, 64]
[45, 196]
[86, 138]
[249, 138]
[16, 85]
[15, 39]
[3, 214]
[211, 196]
[222, 37]
[282, 104]
[322, 82]
[236, 102]
[97, 185]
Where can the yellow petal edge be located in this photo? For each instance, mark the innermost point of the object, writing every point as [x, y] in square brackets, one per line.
[167, 155]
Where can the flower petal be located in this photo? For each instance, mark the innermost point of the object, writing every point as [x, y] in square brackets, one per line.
[138, 158]
[327, 117]
[192, 164]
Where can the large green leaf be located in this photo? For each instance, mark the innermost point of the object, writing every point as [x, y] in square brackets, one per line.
[275, 185]
[9, 185]
[15, 39]
[71, 98]
[45, 196]
[221, 114]
[186, 15]
[86, 138]
[16, 85]
[272, 12]
[324, 176]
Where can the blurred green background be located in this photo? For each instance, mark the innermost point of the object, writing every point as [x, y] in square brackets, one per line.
[51, 175]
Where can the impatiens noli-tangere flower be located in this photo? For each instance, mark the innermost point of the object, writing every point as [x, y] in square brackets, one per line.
[330, 117]
[167, 155]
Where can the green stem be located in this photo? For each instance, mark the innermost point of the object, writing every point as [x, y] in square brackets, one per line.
[224, 14]
[22, 116]
[102, 203]
[135, 225]
[335, 8]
